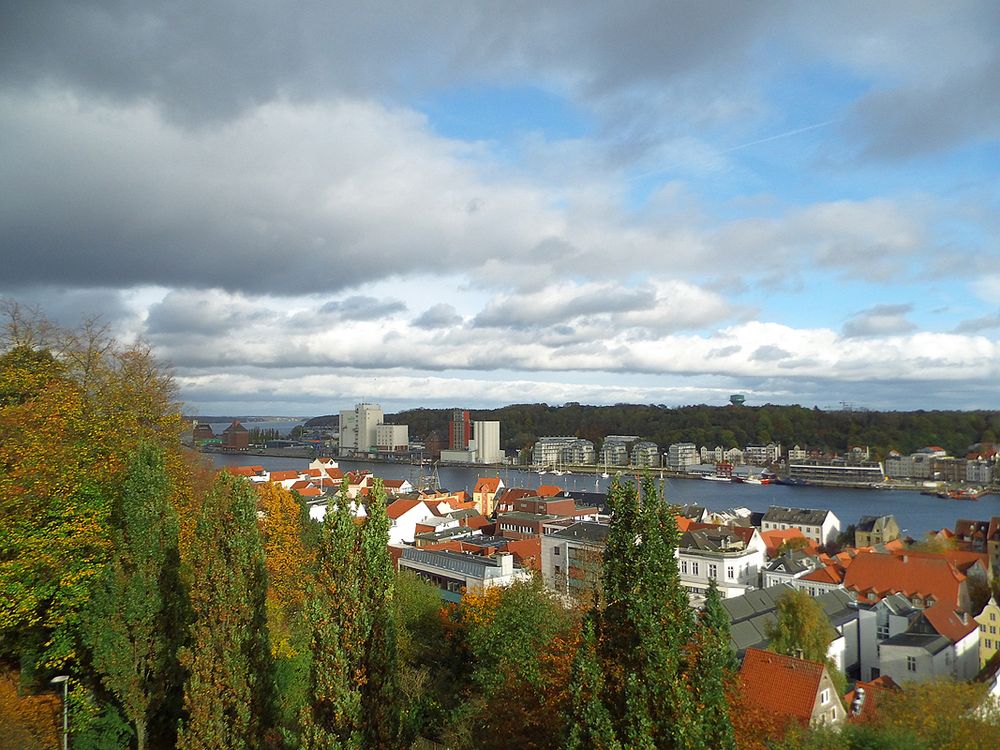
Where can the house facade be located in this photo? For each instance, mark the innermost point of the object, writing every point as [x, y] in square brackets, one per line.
[821, 526]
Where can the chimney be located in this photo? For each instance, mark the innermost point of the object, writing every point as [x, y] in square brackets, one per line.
[858, 702]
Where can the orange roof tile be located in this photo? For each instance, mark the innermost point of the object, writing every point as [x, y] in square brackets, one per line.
[240, 471]
[774, 539]
[281, 476]
[826, 574]
[874, 575]
[781, 685]
[528, 552]
[309, 491]
[487, 484]
[396, 509]
[949, 623]
[548, 490]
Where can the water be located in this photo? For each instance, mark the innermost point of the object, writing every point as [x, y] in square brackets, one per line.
[915, 513]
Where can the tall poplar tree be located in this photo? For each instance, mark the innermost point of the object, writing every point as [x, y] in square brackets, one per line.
[133, 623]
[228, 693]
[643, 627]
[381, 694]
[354, 699]
[713, 669]
[332, 716]
[590, 725]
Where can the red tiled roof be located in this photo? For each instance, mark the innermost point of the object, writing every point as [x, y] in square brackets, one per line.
[394, 483]
[548, 490]
[774, 539]
[240, 471]
[528, 552]
[396, 509]
[302, 483]
[281, 476]
[948, 622]
[488, 484]
[874, 575]
[826, 574]
[961, 559]
[781, 685]
[872, 695]
[309, 491]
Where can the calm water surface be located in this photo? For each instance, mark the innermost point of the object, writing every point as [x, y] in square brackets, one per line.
[915, 513]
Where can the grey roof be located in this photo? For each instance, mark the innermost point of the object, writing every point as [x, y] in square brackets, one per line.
[803, 516]
[587, 531]
[712, 540]
[522, 515]
[898, 604]
[473, 565]
[791, 562]
[867, 523]
[455, 532]
[932, 643]
[751, 614]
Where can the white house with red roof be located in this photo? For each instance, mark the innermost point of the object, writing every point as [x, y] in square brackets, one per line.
[732, 555]
[940, 643]
[405, 513]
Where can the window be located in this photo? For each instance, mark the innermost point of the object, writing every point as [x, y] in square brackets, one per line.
[558, 569]
[684, 566]
[694, 568]
[993, 629]
[713, 570]
[993, 616]
[824, 697]
[911, 664]
[833, 713]
[982, 628]
[730, 572]
[989, 643]
[882, 632]
[556, 551]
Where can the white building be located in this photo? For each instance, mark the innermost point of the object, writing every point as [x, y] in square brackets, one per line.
[561, 450]
[485, 442]
[682, 455]
[405, 514]
[392, 438]
[732, 555]
[979, 471]
[645, 453]
[940, 643]
[358, 428]
[795, 453]
[762, 455]
[572, 556]
[822, 526]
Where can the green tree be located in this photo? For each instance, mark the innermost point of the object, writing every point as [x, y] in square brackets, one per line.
[589, 722]
[714, 665]
[332, 717]
[645, 625]
[380, 696]
[131, 625]
[801, 628]
[228, 693]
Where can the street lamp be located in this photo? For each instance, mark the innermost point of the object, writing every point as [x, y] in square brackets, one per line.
[64, 679]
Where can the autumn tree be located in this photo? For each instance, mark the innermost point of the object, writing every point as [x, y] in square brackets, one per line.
[801, 628]
[229, 689]
[589, 722]
[134, 623]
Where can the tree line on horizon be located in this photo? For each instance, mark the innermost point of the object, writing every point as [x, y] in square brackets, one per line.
[729, 426]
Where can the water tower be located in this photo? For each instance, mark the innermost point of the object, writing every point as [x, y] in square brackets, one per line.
[737, 399]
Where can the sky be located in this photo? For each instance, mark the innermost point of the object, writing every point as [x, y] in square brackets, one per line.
[301, 205]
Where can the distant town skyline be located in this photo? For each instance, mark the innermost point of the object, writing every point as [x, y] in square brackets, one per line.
[469, 204]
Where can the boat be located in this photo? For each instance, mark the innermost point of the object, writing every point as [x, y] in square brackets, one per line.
[716, 478]
[965, 493]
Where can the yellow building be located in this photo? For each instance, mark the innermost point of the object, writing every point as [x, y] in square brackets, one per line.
[989, 631]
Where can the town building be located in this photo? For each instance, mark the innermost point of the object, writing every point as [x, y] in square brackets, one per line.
[485, 442]
[358, 428]
[615, 449]
[459, 430]
[837, 471]
[236, 437]
[572, 557]
[456, 573]
[791, 690]
[821, 526]
[562, 451]
[485, 493]
[392, 438]
[681, 455]
[872, 530]
[733, 556]
[645, 454]
[939, 643]
[989, 631]
[762, 455]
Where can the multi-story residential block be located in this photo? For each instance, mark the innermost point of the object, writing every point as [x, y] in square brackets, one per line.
[645, 453]
[948, 469]
[562, 450]
[989, 631]
[681, 455]
[821, 526]
[795, 453]
[979, 471]
[762, 455]
[872, 530]
[939, 643]
[733, 456]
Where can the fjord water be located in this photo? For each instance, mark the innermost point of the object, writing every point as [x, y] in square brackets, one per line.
[915, 513]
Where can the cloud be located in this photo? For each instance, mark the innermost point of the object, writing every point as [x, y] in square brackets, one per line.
[441, 315]
[979, 325]
[361, 307]
[880, 320]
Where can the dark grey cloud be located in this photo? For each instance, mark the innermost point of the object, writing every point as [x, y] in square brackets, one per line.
[202, 61]
[362, 307]
[68, 307]
[880, 320]
[441, 315]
